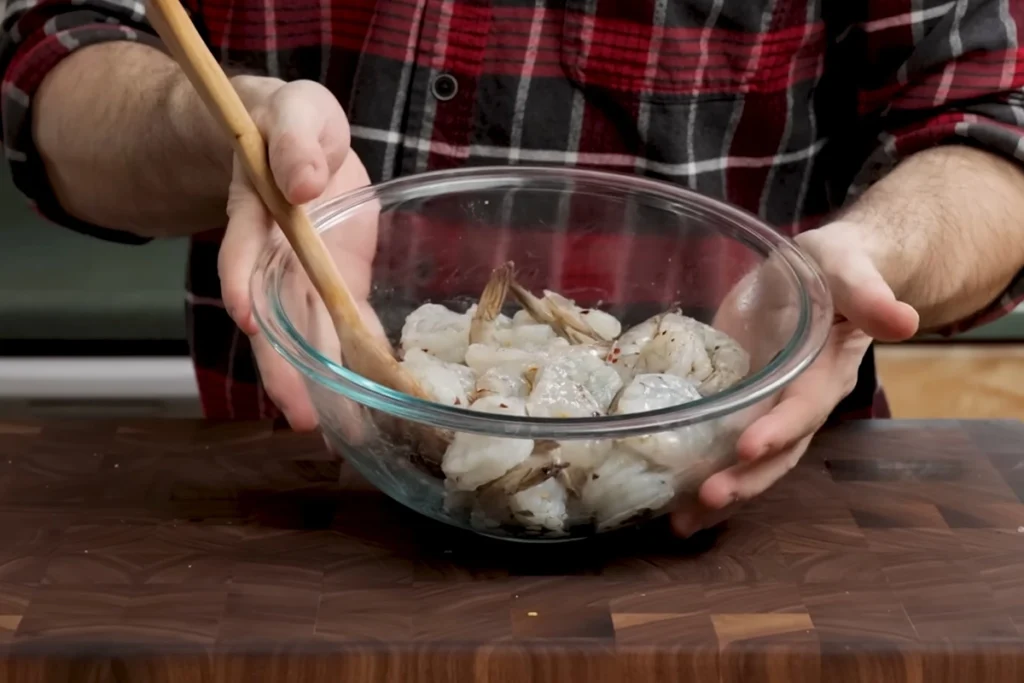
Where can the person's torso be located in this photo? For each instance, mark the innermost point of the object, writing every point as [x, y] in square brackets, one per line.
[753, 102]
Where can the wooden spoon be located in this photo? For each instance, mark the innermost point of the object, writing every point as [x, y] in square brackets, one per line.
[363, 352]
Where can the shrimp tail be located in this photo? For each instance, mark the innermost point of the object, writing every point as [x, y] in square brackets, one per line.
[543, 464]
[556, 311]
[491, 301]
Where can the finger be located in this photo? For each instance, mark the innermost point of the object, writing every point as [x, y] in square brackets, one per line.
[791, 420]
[859, 291]
[863, 298]
[244, 237]
[284, 386]
[307, 139]
[805, 405]
[689, 520]
[746, 480]
[344, 417]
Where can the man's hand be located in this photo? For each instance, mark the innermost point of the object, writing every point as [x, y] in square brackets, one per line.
[307, 138]
[866, 309]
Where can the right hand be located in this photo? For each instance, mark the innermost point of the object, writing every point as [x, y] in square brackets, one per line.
[307, 137]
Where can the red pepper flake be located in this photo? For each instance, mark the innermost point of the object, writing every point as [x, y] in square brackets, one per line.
[502, 405]
[458, 401]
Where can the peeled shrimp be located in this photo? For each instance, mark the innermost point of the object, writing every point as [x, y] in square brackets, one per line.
[448, 383]
[556, 394]
[553, 359]
[544, 463]
[592, 322]
[437, 330]
[695, 351]
[677, 348]
[480, 358]
[565, 317]
[729, 361]
[580, 458]
[473, 460]
[541, 507]
[508, 379]
[526, 337]
[583, 364]
[625, 487]
[625, 352]
[523, 317]
[672, 450]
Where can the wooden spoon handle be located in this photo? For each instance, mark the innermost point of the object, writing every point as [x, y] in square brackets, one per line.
[178, 33]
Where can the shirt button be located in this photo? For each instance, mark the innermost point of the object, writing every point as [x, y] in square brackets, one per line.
[445, 87]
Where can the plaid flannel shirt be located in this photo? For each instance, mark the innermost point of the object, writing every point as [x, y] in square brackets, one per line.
[787, 108]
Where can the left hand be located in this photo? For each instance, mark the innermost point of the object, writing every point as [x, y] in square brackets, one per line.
[866, 309]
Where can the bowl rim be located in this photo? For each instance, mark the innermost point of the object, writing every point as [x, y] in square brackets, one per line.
[802, 349]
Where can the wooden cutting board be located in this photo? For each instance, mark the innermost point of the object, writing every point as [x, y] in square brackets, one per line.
[198, 552]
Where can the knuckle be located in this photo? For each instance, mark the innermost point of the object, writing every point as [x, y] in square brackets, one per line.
[283, 142]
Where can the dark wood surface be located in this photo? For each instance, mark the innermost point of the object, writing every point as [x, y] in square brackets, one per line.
[197, 552]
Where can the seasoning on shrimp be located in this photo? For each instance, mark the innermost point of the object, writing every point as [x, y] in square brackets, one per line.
[625, 352]
[437, 330]
[625, 487]
[448, 383]
[672, 450]
[555, 359]
[473, 460]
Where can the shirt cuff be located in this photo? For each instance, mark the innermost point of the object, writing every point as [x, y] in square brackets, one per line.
[974, 130]
[27, 66]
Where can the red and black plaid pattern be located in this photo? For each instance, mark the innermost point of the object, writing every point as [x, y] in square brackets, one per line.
[786, 108]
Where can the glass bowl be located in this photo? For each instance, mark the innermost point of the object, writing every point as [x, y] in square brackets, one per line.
[630, 246]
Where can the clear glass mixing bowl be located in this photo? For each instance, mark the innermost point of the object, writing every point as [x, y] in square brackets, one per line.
[628, 245]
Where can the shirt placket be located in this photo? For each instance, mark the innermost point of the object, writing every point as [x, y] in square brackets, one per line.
[443, 91]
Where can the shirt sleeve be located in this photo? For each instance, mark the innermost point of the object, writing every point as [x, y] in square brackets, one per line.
[36, 35]
[943, 72]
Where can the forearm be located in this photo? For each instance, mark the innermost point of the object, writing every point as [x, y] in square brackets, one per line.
[126, 144]
[946, 229]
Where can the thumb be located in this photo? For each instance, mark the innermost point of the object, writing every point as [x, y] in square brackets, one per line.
[307, 139]
[860, 293]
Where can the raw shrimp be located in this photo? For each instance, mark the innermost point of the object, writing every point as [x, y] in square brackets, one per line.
[677, 349]
[695, 351]
[624, 487]
[730, 362]
[508, 379]
[556, 395]
[437, 330]
[672, 450]
[544, 463]
[484, 323]
[473, 460]
[625, 352]
[448, 383]
[591, 322]
[523, 317]
[553, 359]
[481, 358]
[562, 315]
[542, 507]
[584, 364]
[531, 337]
[580, 458]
